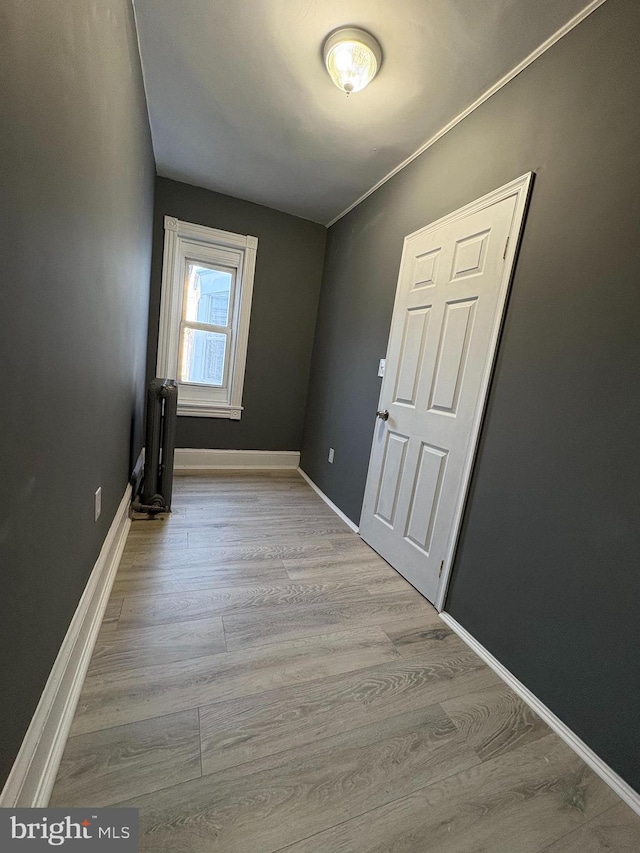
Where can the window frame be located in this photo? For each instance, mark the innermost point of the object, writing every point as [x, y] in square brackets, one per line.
[186, 243]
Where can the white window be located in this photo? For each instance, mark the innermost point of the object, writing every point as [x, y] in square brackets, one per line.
[207, 285]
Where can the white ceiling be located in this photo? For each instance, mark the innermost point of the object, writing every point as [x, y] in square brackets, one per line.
[240, 102]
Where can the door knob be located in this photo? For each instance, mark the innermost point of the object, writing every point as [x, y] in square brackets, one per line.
[383, 414]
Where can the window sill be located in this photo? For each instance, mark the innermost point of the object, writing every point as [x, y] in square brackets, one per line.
[210, 410]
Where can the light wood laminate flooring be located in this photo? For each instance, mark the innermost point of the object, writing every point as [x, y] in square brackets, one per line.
[263, 681]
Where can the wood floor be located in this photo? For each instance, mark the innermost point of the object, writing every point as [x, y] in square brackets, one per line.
[263, 681]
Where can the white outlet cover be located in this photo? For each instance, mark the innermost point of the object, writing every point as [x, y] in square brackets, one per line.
[331, 454]
[98, 503]
[381, 366]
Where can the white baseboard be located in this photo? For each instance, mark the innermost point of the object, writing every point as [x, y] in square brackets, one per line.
[192, 459]
[616, 782]
[34, 771]
[328, 502]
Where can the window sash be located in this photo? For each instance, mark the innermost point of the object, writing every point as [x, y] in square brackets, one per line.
[203, 261]
[204, 327]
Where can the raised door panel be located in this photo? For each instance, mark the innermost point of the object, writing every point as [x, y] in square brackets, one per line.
[425, 498]
[469, 255]
[414, 336]
[391, 476]
[455, 338]
[425, 269]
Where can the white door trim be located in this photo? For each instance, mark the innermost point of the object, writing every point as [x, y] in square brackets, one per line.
[34, 771]
[520, 188]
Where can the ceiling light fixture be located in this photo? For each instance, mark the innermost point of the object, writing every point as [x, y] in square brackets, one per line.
[352, 57]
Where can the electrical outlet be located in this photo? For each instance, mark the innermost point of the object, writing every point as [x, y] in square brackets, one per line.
[381, 366]
[97, 506]
[331, 454]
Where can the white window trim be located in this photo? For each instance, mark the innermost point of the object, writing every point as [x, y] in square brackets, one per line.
[179, 240]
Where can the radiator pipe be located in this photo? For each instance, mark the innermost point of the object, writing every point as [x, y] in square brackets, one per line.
[159, 505]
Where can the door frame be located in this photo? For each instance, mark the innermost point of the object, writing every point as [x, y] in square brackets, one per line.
[521, 189]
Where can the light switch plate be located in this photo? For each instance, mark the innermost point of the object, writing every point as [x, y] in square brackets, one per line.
[383, 361]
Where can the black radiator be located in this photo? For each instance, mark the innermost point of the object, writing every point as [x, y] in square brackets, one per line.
[162, 406]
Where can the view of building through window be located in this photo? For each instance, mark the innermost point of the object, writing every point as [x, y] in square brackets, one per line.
[207, 303]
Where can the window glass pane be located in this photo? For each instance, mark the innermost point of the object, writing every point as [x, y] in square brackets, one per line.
[203, 355]
[208, 293]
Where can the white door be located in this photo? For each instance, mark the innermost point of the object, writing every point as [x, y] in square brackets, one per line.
[452, 289]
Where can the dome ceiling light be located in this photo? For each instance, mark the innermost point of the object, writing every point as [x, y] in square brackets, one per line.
[352, 57]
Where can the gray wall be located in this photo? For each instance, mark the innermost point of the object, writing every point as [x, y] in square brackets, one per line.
[283, 316]
[546, 576]
[76, 194]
